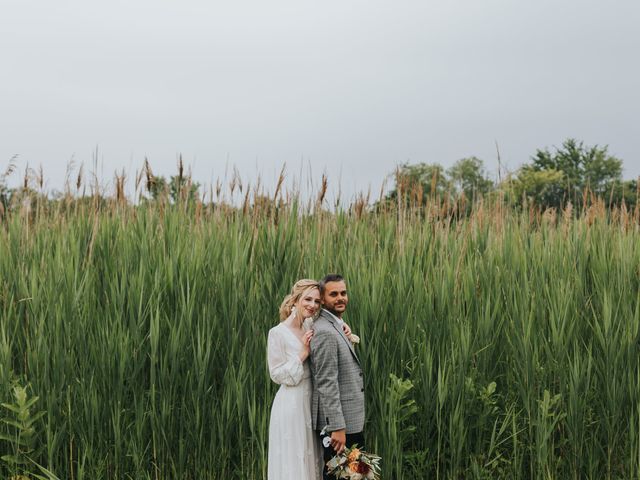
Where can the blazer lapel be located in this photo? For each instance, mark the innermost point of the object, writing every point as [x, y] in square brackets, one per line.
[341, 333]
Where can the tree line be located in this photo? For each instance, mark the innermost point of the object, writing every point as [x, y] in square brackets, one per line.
[573, 173]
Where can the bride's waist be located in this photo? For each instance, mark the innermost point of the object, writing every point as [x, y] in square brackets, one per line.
[304, 383]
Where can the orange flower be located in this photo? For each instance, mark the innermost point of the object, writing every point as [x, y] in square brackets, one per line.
[354, 455]
[353, 466]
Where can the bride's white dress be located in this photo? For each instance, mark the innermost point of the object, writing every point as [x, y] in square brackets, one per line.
[294, 451]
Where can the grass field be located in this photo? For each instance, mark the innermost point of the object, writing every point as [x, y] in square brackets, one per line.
[501, 345]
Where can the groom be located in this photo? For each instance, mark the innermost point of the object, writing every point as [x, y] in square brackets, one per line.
[338, 384]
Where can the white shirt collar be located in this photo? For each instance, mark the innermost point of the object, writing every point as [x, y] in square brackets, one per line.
[338, 319]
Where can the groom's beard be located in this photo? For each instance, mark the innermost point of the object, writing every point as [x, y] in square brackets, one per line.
[337, 314]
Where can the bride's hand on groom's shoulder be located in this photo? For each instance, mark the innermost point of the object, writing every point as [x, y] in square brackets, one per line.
[353, 338]
[306, 345]
[346, 329]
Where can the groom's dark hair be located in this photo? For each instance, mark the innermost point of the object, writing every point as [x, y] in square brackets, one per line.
[332, 277]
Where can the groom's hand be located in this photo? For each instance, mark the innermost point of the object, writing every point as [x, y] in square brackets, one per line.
[339, 440]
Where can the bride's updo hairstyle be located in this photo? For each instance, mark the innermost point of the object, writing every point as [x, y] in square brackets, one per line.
[297, 292]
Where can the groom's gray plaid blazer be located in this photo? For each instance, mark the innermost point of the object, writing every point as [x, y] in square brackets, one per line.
[338, 384]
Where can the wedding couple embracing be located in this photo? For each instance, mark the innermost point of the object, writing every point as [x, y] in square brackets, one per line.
[319, 408]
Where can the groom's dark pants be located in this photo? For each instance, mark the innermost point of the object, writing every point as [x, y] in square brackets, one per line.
[329, 452]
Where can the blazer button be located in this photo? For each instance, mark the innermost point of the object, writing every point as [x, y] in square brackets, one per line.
[362, 389]
[360, 373]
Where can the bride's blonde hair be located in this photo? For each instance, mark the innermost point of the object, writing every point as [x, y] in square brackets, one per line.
[297, 291]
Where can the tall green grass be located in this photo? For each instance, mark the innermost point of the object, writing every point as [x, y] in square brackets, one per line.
[143, 331]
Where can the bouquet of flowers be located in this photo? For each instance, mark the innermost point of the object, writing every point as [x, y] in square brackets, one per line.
[354, 464]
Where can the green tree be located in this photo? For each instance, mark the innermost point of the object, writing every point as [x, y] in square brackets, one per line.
[419, 182]
[176, 188]
[582, 168]
[469, 176]
[158, 188]
[183, 188]
[625, 191]
[541, 187]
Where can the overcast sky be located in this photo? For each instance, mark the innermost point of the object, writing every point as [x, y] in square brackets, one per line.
[350, 88]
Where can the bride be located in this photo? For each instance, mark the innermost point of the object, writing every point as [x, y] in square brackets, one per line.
[294, 450]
